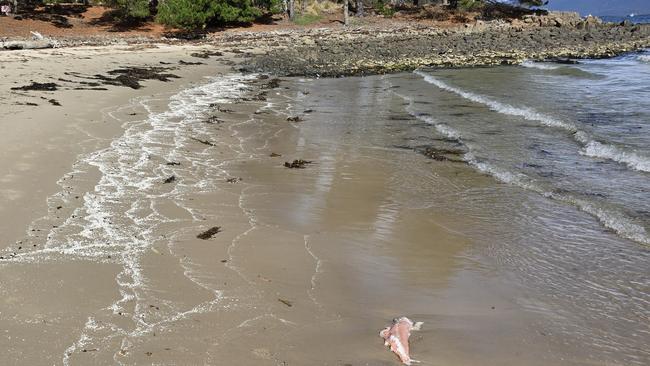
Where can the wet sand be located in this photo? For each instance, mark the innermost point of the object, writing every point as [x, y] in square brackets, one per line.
[308, 266]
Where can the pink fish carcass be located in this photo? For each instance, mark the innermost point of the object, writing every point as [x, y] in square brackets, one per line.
[397, 336]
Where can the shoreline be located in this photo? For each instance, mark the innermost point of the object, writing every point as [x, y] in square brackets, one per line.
[362, 52]
[370, 49]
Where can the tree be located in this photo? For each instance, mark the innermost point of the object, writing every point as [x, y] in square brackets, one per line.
[471, 4]
[346, 15]
[528, 3]
[131, 9]
[197, 14]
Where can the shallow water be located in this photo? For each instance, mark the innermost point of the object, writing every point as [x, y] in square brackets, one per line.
[570, 144]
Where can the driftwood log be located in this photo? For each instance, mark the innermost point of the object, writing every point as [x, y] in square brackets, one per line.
[28, 45]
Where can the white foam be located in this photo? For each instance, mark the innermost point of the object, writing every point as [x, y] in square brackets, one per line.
[633, 160]
[613, 220]
[591, 147]
[539, 65]
[118, 219]
[524, 112]
[644, 58]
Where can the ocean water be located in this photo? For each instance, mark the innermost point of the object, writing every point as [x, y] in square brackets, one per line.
[639, 19]
[574, 135]
[553, 183]
[577, 134]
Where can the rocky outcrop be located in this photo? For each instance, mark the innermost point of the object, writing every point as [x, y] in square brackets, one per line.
[366, 51]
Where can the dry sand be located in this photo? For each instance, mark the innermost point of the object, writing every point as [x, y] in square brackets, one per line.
[102, 264]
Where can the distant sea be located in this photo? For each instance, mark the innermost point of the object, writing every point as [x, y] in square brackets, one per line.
[642, 18]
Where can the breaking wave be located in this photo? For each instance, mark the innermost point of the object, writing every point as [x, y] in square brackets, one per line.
[591, 147]
[610, 218]
[633, 160]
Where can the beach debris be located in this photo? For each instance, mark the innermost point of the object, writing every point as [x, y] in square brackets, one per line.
[189, 63]
[224, 110]
[294, 119]
[234, 180]
[171, 179]
[37, 86]
[396, 337]
[172, 163]
[206, 54]
[208, 234]
[204, 142]
[132, 76]
[214, 119]
[274, 155]
[54, 102]
[265, 279]
[297, 164]
[36, 36]
[28, 45]
[443, 154]
[286, 302]
[272, 84]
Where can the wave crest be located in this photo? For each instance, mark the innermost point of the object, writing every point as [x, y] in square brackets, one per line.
[592, 148]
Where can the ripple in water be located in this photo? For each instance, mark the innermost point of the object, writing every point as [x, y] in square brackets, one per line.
[610, 218]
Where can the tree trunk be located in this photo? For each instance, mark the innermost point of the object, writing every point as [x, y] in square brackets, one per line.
[292, 13]
[359, 8]
[346, 16]
[14, 8]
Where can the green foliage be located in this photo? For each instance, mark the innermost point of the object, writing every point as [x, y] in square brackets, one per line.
[307, 19]
[532, 2]
[273, 6]
[197, 14]
[468, 5]
[131, 9]
[386, 11]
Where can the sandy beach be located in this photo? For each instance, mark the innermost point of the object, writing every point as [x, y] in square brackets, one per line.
[149, 217]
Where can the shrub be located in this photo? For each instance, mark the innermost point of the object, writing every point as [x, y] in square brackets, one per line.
[468, 5]
[131, 9]
[197, 14]
[381, 8]
[273, 6]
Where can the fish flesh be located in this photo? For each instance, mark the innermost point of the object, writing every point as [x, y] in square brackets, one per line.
[396, 336]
